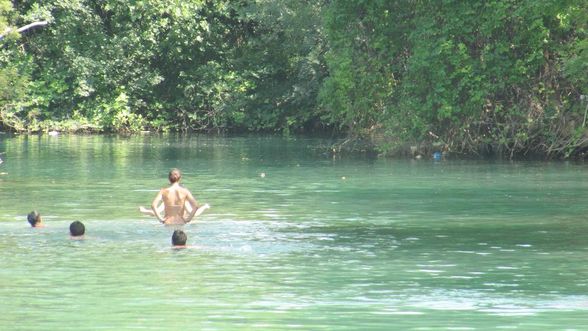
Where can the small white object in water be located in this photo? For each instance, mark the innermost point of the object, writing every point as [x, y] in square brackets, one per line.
[1, 161]
[245, 248]
[344, 178]
[53, 133]
[262, 175]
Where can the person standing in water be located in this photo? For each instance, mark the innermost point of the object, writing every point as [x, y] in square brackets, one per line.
[179, 206]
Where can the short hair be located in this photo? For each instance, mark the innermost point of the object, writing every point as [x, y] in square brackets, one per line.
[179, 238]
[34, 217]
[77, 229]
[174, 175]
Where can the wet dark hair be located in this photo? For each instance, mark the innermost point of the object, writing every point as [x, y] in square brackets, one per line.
[34, 217]
[179, 238]
[174, 175]
[77, 229]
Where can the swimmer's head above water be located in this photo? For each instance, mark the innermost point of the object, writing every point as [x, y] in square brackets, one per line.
[179, 238]
[34, 219]
[77, 229]
[174, 175]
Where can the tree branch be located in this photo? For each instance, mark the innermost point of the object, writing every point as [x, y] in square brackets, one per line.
[24, 28]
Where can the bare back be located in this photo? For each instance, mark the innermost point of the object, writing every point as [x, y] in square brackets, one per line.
[174, 199]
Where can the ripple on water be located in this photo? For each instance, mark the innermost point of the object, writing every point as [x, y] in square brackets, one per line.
[495, 303]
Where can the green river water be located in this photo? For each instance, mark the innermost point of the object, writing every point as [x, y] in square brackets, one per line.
[318, 243]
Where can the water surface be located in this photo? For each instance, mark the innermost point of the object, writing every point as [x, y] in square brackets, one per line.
[295, 239]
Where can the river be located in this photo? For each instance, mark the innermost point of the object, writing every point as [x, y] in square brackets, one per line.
[295, 239]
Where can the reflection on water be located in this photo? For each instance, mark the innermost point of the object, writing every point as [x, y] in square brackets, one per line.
[316, 244]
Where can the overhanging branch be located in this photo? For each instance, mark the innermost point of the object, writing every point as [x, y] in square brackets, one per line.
[24, 28]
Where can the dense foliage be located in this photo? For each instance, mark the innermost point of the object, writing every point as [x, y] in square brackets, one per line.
[496, 76]
[473, 76]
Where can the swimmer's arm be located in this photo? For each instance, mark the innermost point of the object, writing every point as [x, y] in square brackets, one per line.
[201, 209]
[194, 204]
[158, 199]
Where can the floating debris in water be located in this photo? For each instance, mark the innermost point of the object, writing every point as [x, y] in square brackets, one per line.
[53, 133]
[262, 175]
